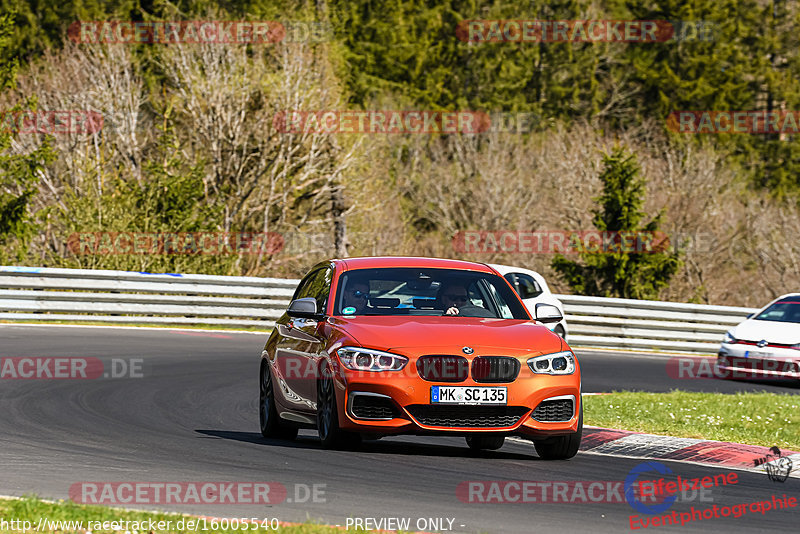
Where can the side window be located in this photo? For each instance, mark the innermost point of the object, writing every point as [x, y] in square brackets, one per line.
[302, 287]
[527, 286]
[321, 288]
[318, 285]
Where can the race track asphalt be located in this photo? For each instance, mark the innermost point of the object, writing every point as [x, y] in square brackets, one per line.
[193, 416]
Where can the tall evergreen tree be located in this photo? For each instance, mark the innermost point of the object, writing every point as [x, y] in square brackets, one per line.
[620, 273]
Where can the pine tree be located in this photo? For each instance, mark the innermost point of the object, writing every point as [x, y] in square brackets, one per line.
[620, 273]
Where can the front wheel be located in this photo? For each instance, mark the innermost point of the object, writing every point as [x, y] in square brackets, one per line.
[331, 436]
[271, 425]
[561, 447]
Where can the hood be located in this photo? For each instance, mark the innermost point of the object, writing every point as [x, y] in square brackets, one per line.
[772, 331]
[450, 334]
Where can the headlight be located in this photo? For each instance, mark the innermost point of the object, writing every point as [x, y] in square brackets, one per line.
[358, 359]
[729, 338]
[558, 363]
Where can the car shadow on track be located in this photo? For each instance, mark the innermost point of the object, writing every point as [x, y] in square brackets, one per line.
[384, 446]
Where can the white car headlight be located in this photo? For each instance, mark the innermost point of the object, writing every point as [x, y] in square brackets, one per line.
[729, 338]
[558, 363]
[360, 359]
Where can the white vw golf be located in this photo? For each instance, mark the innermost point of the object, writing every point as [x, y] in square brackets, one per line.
[767, 344]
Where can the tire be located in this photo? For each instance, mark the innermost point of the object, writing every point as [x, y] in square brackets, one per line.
[485, 442]
[330, 434]
[559, 329]
[271, 425]
[561, 447]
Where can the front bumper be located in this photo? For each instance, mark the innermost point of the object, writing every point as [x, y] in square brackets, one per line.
[413, 412]
[742, 360]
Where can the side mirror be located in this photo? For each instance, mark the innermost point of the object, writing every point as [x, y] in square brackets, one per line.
[305, 308]
[749, 315]
[547, 313]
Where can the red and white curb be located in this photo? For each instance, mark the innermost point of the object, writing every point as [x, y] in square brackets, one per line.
[722, 454]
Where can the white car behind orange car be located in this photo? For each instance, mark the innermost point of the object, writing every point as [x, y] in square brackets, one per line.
[767, 343]
[532, 289]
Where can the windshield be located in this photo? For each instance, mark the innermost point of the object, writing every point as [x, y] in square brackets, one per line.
[783, 311]
[414, 291]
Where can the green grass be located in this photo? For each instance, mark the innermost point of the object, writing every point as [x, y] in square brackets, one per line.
[32, 509]
[765, 419]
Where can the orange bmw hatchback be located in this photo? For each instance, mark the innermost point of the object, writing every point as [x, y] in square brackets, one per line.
[393, 345]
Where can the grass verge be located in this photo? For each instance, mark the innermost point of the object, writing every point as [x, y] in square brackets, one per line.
[33, 510]
[765, 419]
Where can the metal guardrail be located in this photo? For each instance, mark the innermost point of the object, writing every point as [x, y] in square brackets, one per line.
[47, 294]
[73, 295]
[648, 324]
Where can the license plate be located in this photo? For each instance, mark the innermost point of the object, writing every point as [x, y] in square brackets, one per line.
[468, 395]
[757, 354]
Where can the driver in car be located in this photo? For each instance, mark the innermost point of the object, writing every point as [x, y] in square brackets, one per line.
[454, 300]
[355, 298]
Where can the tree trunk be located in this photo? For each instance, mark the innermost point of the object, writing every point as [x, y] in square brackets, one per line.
[339, 222]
